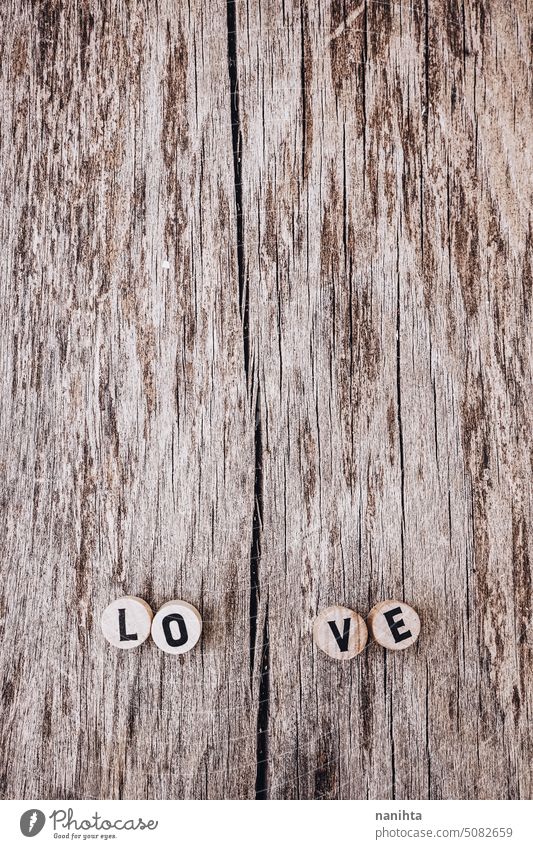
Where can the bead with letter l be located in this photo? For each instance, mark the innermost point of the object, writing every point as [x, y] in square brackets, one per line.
[126, 622]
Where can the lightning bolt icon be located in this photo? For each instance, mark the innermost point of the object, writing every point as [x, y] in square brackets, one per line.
[33, 820]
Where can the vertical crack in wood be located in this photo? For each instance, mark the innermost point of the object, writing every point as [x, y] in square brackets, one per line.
[399, 409]
[303, 87]
[236, 137]
[425, 113]
[254, 389]
[363, 89]
[261, 779]
[261, 787]
[428, 734]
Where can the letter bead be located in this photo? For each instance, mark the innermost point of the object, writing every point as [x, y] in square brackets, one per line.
[394, 625]
[176, 627]
[340, 632]
[126, 622]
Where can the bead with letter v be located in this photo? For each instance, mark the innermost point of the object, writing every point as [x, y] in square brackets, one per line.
[340, 632]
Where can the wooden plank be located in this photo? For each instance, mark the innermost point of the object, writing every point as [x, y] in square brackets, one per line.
[126, 432]
[387, 183]
[266, 347]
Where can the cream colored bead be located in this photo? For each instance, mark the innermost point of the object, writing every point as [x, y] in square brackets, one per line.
[394, 625]
[126, 622]
[176, 627]
[340, 632]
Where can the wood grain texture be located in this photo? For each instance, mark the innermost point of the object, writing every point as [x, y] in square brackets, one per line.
[266, 346]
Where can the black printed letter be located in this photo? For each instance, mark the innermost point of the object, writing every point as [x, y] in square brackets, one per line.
[183, 637]
[342, 642]
[122, 627]
[395, 626]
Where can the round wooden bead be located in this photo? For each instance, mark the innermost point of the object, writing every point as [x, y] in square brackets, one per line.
[394, 624]
[340, 632]
[126, 622]
[176, 627]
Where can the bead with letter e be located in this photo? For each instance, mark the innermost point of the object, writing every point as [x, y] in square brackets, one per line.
[394, 625]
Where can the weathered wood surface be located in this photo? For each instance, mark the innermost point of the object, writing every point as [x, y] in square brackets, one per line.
[266, 346]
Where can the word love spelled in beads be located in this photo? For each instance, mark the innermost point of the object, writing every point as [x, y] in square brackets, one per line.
[339, 632]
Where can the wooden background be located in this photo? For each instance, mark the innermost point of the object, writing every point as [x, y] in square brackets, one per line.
[266, 345]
